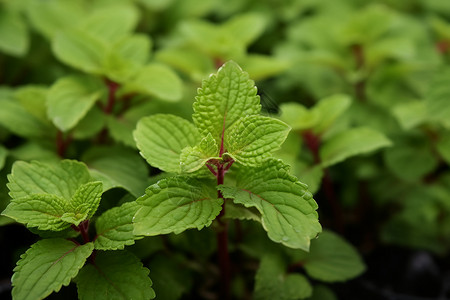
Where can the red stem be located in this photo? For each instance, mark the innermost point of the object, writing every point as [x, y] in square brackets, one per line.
[62, 143]
[112, 89]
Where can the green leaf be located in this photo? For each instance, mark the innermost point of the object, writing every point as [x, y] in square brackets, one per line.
[3, 155]
[260, 66]
[156, 80]
[115, 228]
[246, 28]
[47, 266]
[120, 166]
[328, 110]
[33, 98]
[193, 158]
[161, 138]
[271, 282]
[332, 259]
[62, 179]
[111, 23]
[437, 97]
[174, 205]
[115, 275]
[43, 211]
[410, 114]
[80, 50]
[15, 118]
[322, 292]
[297, 116]
[240, 212]
[121, 130]
[86, 200]
[442, 146]
[351, 142]
[14, 33]
[288, 210]
[253, 139]
[91, 125]
[70, 99]
[223, 99]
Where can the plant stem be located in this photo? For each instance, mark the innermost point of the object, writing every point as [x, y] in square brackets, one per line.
[62, 143]
[112, 89]
[222, 242]
[360, 85]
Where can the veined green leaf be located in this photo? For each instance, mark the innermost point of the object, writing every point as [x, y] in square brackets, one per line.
[115, 275]
[86, 200]
[43, 211]
[240, 212]
[70, 99]
[115, 228]
[271, 282]
[174, 205]
[47, 266]
[193, 158]
[332, 259]
[80, 50]
[352, 142]
[62, 179]
[14, 33]
[252, 139]
[156, 80]
[223, 99]
[161, 138]
[288, 210]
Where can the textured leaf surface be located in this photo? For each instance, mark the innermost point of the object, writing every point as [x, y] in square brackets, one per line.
[193, 158]
[122, 167]
[253, 139]
[43, 211]
[332, 259]
[223, 99]
[86, 200]
[161, 138]
[70, 98]
[271, 282]
[80, 50]
[350, 143]
[288, 210]
[174, 205]
[115, 228]
[115, 275]
[47, 266]
[156, 80]
[62, 179]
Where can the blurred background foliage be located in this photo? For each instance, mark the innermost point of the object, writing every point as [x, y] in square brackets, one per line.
[365, 86]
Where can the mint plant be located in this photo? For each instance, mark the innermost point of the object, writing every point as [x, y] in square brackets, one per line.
[228, 133]
[59, 201]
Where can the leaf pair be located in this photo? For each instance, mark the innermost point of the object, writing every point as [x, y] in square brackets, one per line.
[52, 197]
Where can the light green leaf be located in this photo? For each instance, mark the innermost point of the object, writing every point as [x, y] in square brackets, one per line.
[271, 282]
[437, 97]
[260, 66]
[70, 99]
[297, 116]
[122, 167]
[49, 17]
[115, 275]
[61, 179]
[193, 158]
[410, 114]
[156, 80]
[174, 205]
[3, 155]
[86, 200]
[332, 259]
[111, 23]
[14, 33]
[252, 139]
[15, 118]
[80, 50]
[47, 266]
[43, 211]
[121, 130]
[288, 210]
[161, 138]
[351, 142]
[223, 99]
[115, 228]
[33, 98]
[90, 125]
[239, 212]
[246, 28]
[328, 110]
